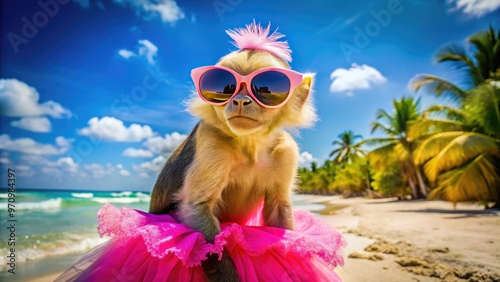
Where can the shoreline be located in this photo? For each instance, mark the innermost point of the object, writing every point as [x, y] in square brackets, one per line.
[389, 240]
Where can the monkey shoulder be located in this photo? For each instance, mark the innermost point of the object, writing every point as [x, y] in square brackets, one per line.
[284, 144]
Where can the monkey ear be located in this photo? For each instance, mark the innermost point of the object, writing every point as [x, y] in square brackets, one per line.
[307, 80]
[300, 110]
[307, 83]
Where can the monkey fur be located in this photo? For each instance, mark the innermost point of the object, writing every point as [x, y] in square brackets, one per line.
[238, 156]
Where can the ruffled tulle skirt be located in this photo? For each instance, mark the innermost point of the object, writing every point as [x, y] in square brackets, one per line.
[149, 247]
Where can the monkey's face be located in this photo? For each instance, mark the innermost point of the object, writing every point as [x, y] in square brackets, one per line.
[250, 114]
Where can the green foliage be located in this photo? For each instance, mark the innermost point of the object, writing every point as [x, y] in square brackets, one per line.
[460, 147]
[317, 180]
[346, 149]
[396, 126]
[350, 179]
[389, 181]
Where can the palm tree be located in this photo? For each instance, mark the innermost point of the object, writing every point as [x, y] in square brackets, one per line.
[473, 67]
[462, 150]
[347, 151]
[396, 127]
[346, 148]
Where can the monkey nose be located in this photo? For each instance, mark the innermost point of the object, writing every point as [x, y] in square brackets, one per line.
[242, 99]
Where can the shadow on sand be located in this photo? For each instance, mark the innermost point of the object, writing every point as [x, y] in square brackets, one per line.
[457, 213]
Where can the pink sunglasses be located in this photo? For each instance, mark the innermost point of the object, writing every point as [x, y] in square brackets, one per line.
[269, 87]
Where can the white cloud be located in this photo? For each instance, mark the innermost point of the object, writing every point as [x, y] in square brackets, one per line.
[306, 158]
[61, 168]
[144, 175]
[112, 129]
[476, 8]
[96, 170]
[17, 99]
[153, 166]
[357, 77]
[63, 142]
[126, 53]
[66, 163]
[146, 50]
[4, 161]
[119, 166]
[33, 160]
[164, 145]
[36, 124]
[30, 146]
[167, 10]
[137, 153]
[124, 172]
[24, 170]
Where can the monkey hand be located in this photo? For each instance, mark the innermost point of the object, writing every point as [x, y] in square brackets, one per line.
[220, 270]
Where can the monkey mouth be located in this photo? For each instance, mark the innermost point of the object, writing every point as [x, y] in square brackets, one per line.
[243, 122]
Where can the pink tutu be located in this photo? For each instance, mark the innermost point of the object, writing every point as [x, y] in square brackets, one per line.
[149, 247]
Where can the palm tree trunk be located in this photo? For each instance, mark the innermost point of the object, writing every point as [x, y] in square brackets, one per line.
[414, 191]
[421, 182]
[497, 200]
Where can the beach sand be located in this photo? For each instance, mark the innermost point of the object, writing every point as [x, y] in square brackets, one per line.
[430, 239]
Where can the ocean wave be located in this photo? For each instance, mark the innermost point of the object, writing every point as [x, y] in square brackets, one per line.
[50, 204]
[143, 196]
[82, 195]
[116, 200]
[4, 195]
[120, 194]
[73, 244]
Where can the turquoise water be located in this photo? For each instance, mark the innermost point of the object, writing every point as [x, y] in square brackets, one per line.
[54, 223]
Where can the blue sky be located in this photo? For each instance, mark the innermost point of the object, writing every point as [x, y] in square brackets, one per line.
[91, 92]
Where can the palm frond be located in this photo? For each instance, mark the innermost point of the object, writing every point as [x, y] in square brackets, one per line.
[445, 111]
[483, 107]
[439, 86]
[377, 142]
[431, 146]
[380, 155]
[426, 127]
[474, 180]
[454, 53]
[460, 150]
[382, 127]
[336, 151]
[488, 60]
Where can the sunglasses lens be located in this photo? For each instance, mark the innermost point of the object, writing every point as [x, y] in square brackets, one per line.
[217, 85]
[271, 87]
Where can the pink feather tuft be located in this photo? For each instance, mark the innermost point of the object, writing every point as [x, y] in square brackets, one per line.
[254, 36]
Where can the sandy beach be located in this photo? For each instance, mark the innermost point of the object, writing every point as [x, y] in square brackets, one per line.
[417, 241]
[391, 240]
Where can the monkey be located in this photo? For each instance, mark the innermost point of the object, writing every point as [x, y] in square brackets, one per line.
[238, 156]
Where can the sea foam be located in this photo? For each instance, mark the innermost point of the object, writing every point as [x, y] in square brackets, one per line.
[50, 204]
[116, 200]
[82, 195]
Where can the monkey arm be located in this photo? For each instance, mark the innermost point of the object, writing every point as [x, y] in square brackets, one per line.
[205, 180]
[203, 186]
[277, 203]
